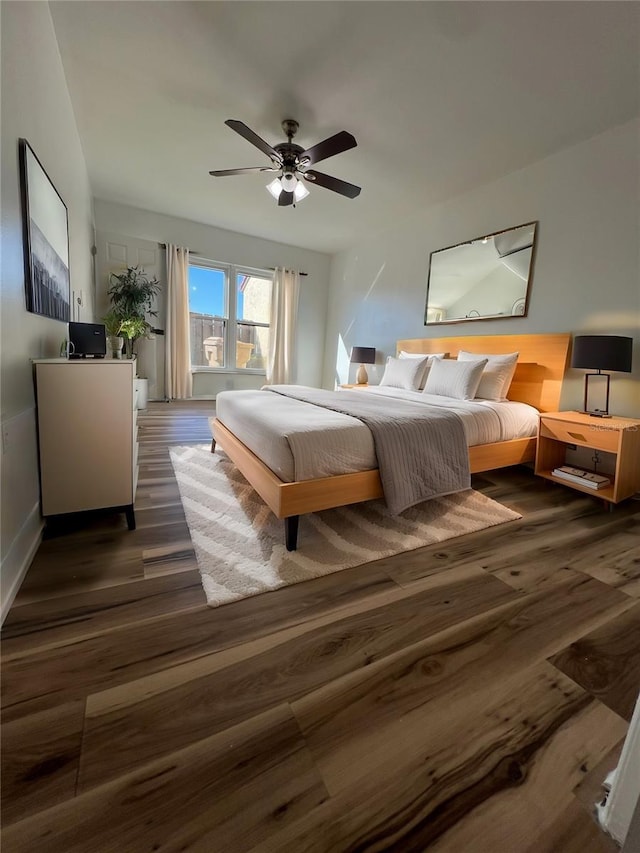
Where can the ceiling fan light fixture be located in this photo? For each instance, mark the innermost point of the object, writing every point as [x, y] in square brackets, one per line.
[300, 191]
[289, 182]
[291, 162]
[275, 188]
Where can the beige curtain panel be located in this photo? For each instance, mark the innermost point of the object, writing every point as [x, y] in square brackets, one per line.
[177, 347]
[284, 313]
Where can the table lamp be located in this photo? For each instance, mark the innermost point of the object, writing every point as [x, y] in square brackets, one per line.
[362, 356]
[601, 352]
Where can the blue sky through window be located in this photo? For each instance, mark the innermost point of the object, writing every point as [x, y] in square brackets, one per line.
[206, 292]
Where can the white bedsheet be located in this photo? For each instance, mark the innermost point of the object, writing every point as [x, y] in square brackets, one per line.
[484, 421]
[299, 441]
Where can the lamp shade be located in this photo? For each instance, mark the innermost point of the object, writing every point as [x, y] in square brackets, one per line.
[363, 355]
[275, 188]
[602, 352]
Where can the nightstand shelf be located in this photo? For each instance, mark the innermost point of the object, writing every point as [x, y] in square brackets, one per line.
[618, 436]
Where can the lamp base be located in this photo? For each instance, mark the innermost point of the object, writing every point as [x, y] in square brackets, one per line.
[362, 376]
[597, 414]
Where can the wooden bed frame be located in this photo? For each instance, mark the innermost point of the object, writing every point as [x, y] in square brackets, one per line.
[537, 381]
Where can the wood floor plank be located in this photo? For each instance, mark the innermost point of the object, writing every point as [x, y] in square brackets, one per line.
[290, 666]
[530, 732]
[40, 757]
[220, 794]
[614, 561]
[168, 561]
[606, 662]
[92, 563]
[516, 819]
[570, 833]
[550, 561]
[424, 682]
[511, 541]
[51, 673]
[79, 615]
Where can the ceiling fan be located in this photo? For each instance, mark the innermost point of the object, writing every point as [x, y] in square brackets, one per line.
[292, 163]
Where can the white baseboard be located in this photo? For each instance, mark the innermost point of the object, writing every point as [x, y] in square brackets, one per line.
[19, 557]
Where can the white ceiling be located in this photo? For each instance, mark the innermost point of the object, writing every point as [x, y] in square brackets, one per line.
[441, 97]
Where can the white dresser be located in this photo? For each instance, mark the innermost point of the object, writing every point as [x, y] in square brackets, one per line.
[87, 435]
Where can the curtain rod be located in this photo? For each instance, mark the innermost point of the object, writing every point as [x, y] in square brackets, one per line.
[299, 273]
[193, 252]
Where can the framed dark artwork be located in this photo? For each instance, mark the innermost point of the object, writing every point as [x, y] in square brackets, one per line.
[46, 240]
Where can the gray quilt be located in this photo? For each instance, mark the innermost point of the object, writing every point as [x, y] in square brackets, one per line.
[421, 449]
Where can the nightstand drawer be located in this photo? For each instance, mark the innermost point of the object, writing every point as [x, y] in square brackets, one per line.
[593, 436]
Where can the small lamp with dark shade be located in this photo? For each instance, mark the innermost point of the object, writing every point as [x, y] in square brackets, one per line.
[362, 356]
[601, 352]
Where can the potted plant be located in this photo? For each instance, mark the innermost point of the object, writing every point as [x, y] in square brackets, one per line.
[132, 293]
[133, 328]
[113, 328]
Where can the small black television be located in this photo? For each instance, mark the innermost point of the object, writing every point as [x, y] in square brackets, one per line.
[89, 340]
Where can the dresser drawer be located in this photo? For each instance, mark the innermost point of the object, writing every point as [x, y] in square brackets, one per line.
[593, 436]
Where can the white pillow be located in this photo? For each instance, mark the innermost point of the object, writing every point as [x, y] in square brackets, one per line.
[404, 373]
[429, 356]
[458, 379]
[497, 375]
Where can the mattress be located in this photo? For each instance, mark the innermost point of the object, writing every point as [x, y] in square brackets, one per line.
[299, 441]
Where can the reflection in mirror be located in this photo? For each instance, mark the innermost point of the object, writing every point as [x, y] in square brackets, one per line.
[485, 278]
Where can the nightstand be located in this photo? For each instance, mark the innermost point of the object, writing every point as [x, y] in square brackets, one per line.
[620, 436]
[355, 387]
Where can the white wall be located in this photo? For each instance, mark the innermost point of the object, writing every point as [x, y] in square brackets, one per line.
[36, 106]
[586, 277]
[231, 247]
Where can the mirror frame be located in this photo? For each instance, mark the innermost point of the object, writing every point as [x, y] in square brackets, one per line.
[493, 316]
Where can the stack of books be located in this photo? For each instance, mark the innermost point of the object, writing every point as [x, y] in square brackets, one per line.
[583, 478]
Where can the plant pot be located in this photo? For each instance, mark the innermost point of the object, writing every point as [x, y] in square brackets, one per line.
[116, 345]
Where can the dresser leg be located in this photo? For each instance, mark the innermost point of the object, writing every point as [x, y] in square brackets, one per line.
[213, 445]
[291, 532]
[131, 518]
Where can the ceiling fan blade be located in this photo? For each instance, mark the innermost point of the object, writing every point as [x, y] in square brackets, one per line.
[330, 183]
[253, 138]
[220, 173]
[336, 144]
[285, 199]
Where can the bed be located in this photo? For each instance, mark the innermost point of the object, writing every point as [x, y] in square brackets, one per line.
[537, 383]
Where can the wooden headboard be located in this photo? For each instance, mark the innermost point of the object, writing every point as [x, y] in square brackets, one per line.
[541, 364]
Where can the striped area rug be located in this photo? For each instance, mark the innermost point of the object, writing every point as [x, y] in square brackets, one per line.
[239, 543]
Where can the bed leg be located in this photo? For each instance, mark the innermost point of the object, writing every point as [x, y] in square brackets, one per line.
[291, 532]
[213, 445]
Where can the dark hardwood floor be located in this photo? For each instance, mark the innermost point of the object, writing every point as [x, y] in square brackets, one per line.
[462, 698]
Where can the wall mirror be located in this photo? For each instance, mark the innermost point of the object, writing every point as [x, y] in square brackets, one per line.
[485, 278]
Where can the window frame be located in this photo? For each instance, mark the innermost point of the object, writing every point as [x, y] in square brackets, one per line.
[230, 319]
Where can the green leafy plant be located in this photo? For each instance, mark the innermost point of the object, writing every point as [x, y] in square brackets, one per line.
[113, 324]
[134, 328]
[132, 293]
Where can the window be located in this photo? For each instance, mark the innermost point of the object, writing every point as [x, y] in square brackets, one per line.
[229, 310]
